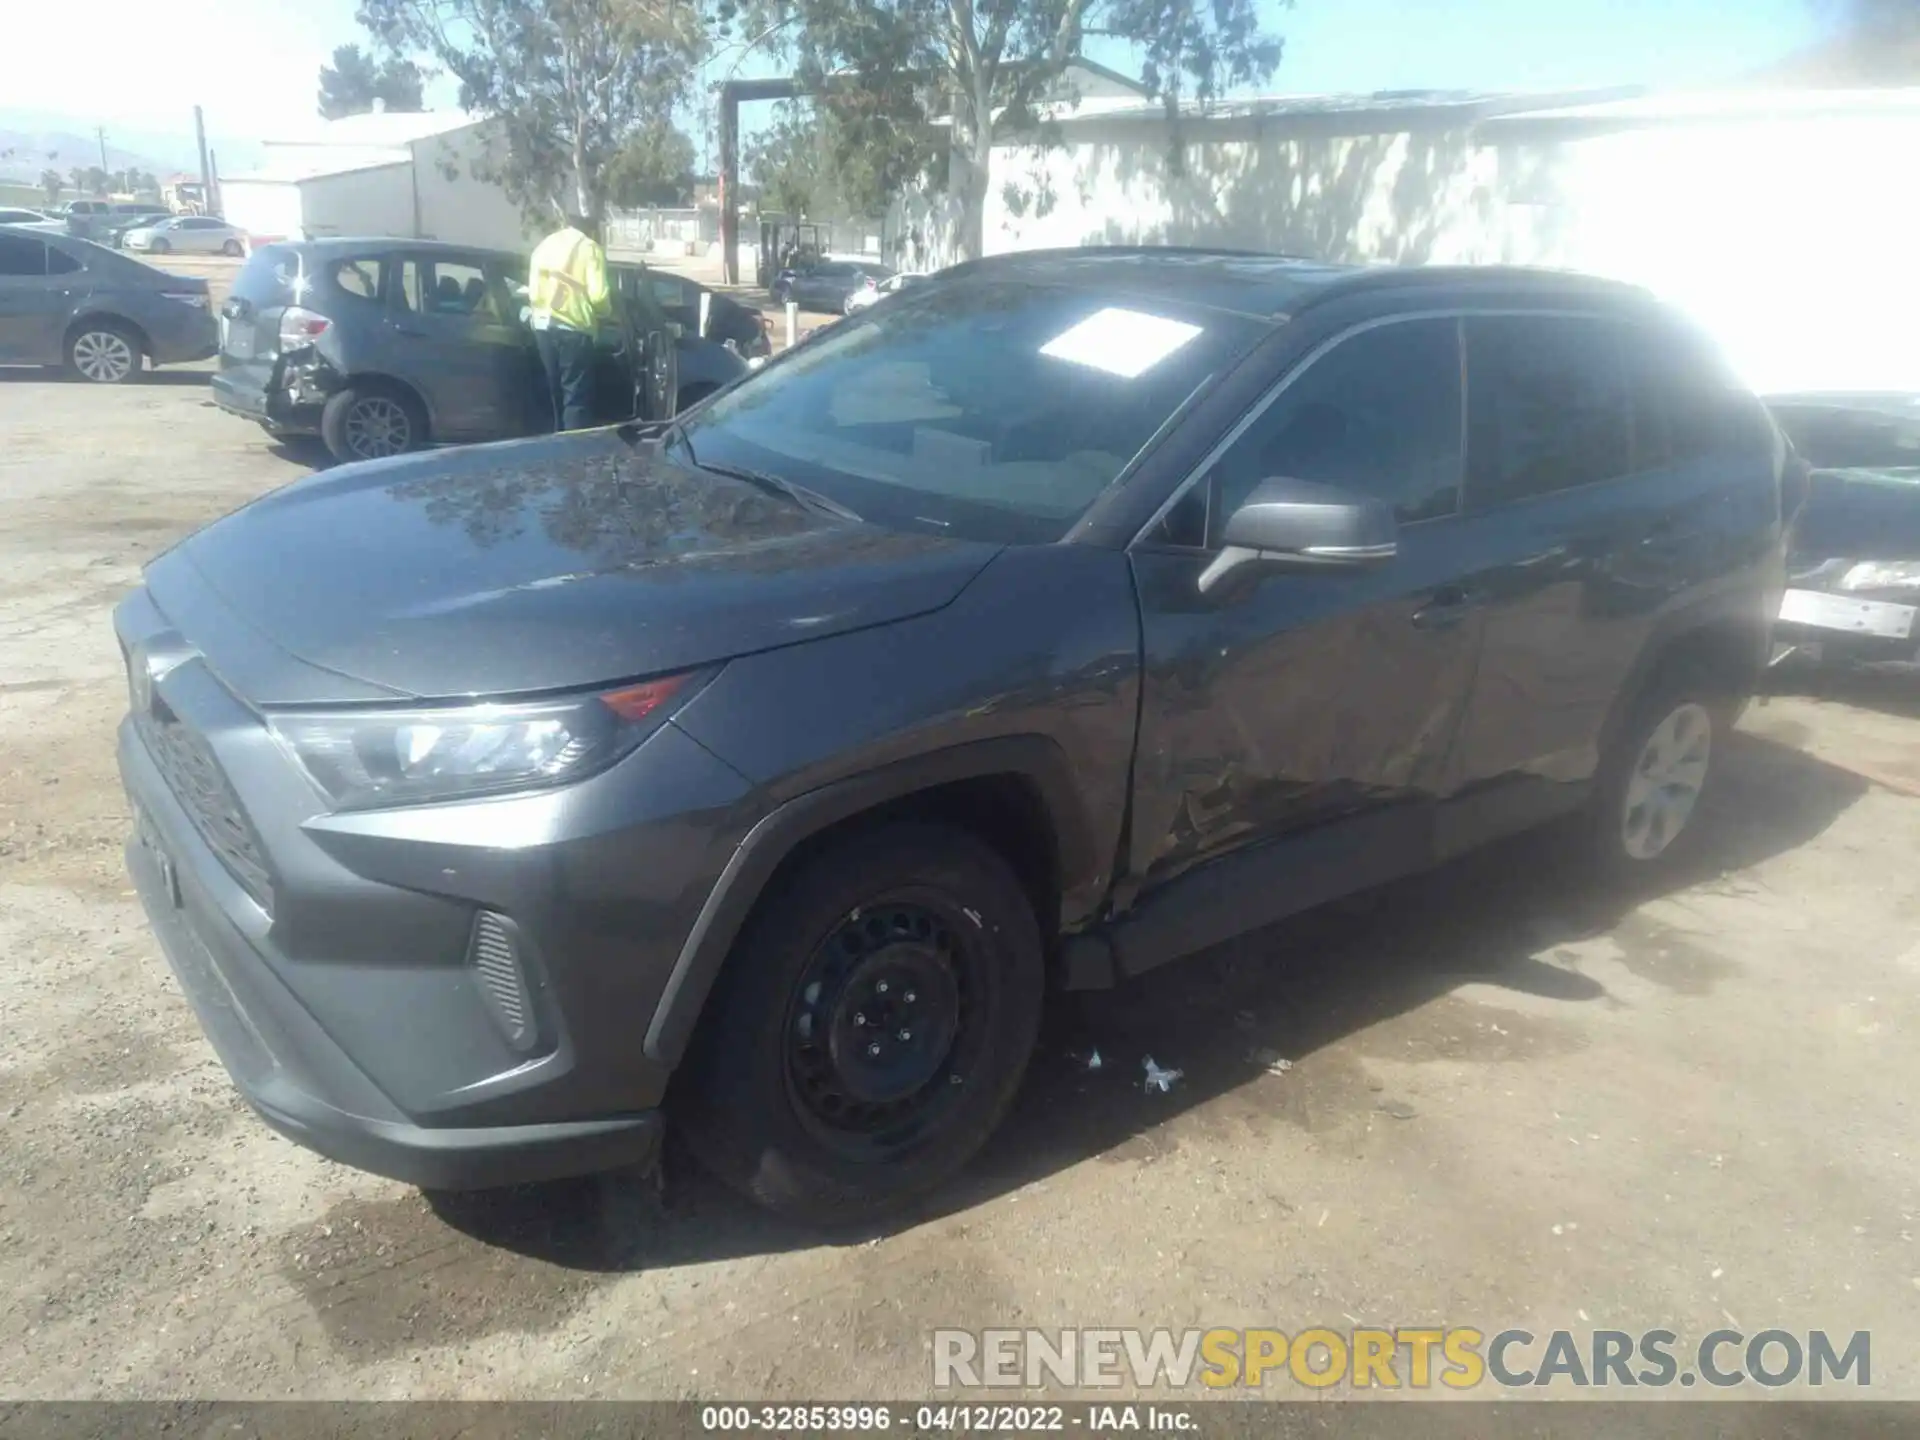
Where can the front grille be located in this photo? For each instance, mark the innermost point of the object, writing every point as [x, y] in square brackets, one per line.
[194, 777]
[496, 964]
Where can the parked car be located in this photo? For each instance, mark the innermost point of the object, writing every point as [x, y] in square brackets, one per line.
[1854, 567]
[1068, 614]
[68, 301]
[90, 219]
[828, 286]
[188, 234]
[892, 285]
[114, 232]
[727, 318]
[11, 215]
[384, 346]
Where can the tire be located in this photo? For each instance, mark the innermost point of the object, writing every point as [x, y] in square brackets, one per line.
[775, 1100]
[372, 422]
[105, 352]
[1661, 766]
[232, 247]
[159, 247]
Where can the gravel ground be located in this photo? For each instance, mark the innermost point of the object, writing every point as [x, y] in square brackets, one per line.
[1512, 1101]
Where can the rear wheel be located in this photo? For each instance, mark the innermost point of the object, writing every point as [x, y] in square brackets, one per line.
[232, 247]
[159, 247]
[104, 352]
[870, 1027]
[1648, 798]
[372, 422]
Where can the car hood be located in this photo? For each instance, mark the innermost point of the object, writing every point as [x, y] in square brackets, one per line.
[1863, 500]
[532, 565]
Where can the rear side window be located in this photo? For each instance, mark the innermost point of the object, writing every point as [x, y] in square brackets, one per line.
[269, 278]
[59, 262]
[362, 278]
[1687, 405]
[1547, 406]
[22, 257]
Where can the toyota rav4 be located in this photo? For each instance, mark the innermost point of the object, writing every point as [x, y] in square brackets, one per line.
[1066, 615]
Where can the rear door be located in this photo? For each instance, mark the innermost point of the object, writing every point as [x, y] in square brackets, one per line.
[458, 342]
[33, 303]
[250, 317]
[1599, 502]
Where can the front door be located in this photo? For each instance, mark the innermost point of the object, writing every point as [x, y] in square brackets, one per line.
[1302, 697]
[455, 340]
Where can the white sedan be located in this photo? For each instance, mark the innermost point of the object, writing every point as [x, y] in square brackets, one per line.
[892, 285]
[10, 215]
[188, 235]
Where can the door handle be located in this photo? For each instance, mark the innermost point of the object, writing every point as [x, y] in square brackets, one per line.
[1447, 607]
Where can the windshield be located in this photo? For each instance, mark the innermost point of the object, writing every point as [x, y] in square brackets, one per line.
[988, 409]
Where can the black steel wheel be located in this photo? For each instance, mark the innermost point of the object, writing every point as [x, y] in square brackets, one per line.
[869, 1029]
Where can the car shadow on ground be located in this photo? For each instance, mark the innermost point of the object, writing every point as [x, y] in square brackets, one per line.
[1223, 1018]
[42, 375]
[1889, 689]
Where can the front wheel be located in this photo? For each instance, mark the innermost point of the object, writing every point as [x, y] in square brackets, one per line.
[1648, 797]
[159, 247]
[372, 423]
[870, 1027]
[104, 353]
[232, 247]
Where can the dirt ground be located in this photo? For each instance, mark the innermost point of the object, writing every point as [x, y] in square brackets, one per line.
[1513, 1101]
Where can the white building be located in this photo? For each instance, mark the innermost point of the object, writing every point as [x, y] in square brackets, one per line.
[1784, 220]
[378, 174]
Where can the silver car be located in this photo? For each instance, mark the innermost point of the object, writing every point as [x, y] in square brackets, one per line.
[188, 235]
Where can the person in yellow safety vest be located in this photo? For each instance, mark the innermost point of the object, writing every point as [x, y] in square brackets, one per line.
[567, 293]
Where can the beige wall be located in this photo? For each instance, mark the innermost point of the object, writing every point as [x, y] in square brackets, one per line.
[455, 203]
[1792, 240]
[360, 202]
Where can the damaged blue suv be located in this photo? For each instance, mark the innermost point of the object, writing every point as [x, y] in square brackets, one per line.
[766, 770]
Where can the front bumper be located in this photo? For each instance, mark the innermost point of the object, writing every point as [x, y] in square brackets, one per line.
[1823, 622]
[333, 961]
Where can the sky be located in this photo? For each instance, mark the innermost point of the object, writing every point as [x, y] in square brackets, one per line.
[254, 65]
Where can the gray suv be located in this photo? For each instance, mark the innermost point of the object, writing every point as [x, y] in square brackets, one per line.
[1063, 616]
[384, 346]
[65, 301]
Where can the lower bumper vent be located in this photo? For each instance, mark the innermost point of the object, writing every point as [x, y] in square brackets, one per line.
[494, 953]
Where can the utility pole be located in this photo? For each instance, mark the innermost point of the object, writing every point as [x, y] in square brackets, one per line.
[101, 132]
[206, 166]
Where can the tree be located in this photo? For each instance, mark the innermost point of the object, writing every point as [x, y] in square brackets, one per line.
[53, 184]
[885, 68]
[576, 85]
[654, 167]
[98, 182]
[355, 80]
[789, 163]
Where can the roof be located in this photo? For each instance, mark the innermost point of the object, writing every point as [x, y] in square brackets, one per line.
[1710, 106]
[368, 244]
[1377, 110]
[1255, 283]
[378, 129]
[292, 169]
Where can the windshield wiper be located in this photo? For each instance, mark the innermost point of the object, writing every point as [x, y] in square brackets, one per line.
[773, 484]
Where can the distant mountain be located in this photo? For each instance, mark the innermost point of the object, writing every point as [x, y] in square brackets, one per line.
[25, 153]
[29, 138]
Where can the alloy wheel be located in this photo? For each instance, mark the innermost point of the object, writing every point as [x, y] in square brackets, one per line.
[1666, 782]
[104, 356]
[378, 427]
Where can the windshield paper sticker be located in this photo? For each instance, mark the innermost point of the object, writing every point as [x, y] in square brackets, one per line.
[1121, 342]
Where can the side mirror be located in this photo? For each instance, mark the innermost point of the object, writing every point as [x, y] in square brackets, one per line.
[1302, 523]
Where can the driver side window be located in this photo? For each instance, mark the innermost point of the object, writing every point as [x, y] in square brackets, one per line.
[1378, 415]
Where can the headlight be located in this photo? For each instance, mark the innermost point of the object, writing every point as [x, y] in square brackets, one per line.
[362, 759]
[1881, 575]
